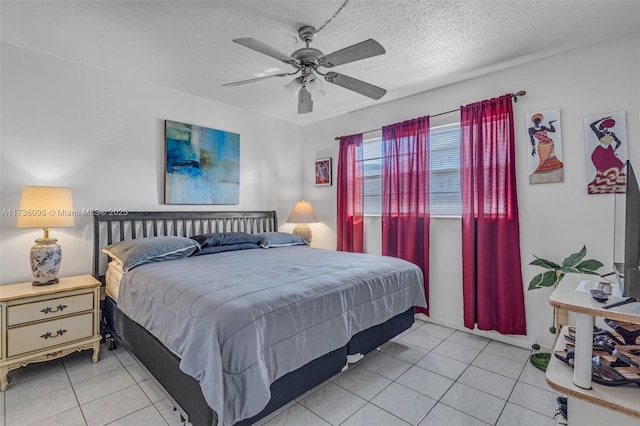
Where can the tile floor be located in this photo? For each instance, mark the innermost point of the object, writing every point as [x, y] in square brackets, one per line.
[429, 375]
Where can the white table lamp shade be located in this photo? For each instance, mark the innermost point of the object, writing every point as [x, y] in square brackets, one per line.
[302, 214]
[45, 207]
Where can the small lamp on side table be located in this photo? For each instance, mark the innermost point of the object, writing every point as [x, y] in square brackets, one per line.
[45, 207]
[303, 214]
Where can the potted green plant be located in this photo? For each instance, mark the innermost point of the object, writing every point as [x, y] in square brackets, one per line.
[554, 273]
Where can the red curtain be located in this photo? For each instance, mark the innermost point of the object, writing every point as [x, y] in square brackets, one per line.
[491, 272]
[350, 226]
[405, 194]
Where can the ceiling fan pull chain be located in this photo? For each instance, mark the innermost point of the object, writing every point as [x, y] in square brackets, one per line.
[334, 15]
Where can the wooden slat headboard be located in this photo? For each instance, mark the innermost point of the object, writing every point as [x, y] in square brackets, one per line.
[109, 228]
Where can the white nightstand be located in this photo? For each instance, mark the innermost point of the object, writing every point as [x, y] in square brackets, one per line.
[48, 322]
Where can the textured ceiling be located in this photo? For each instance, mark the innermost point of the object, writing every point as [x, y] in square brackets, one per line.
[186, 45]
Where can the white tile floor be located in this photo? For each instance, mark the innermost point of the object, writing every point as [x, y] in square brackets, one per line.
[429, 375]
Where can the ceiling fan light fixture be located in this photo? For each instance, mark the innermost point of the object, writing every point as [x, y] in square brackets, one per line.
[307, 60]
[317, 95]
[313, 84]
[293, 87]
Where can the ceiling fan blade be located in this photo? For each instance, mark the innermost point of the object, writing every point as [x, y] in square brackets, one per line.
[305, 104]
[253, 80]
[358, 86]
[363, 50]
[259, 46]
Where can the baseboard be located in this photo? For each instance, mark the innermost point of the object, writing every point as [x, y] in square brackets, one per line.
[494, 335]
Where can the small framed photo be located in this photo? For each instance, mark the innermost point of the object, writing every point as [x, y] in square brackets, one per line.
[323, 172]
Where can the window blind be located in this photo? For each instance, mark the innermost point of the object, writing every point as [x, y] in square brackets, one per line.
[445, 197]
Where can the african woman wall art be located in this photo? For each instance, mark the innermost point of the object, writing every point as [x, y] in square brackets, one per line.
[545, 137]
[605, 138]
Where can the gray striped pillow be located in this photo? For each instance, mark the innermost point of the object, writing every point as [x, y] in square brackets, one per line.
[134, 253]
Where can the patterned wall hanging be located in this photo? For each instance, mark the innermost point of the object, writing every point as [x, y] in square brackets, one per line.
[605, 138]
[545, 139]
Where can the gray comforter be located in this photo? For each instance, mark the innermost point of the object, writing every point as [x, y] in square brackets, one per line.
[240, 320]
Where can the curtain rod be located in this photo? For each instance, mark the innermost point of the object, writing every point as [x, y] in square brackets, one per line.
[513, 95]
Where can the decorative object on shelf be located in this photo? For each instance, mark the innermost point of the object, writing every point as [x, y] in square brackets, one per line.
[605, 137]
[554, 273]
[323, 172]
[303, 214]
[545, 136]
[45, 207]
[202, 165]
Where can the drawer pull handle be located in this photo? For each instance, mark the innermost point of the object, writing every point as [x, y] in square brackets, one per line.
[48, 334]
[48, 309]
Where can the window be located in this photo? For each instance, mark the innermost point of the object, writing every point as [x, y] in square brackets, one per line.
[445, 193]
[372, 170]
[445, 172]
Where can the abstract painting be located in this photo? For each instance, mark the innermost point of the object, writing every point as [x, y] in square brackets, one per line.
[202, 165]
[323, 172]
[545, 137]
[605, 138]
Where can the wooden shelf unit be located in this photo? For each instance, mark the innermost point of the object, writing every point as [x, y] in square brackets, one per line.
[623, 399]
[562, 378]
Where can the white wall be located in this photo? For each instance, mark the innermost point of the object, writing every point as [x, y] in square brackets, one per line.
[101, 134]
[65, 124]
[555, 219]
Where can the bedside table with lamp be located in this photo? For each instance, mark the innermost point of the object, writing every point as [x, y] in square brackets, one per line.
[49, 317]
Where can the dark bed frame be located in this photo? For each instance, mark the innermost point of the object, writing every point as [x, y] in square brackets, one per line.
[184, 390]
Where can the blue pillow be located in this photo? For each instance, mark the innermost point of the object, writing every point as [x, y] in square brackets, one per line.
[228, 247]
[134, 253]
[225, 238]
[279, 239]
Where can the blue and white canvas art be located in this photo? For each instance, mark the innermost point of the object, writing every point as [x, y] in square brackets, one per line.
[202, 165]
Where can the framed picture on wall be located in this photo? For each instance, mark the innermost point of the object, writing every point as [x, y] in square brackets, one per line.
[544, 133]
[605, 137]
[202, 165]
[323, 172]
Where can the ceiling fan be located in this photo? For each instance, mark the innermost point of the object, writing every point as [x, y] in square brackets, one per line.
[307, 61]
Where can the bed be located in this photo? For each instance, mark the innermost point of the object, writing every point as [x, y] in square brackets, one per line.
[308, 312]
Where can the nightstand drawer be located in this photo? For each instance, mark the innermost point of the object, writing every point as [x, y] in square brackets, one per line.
[46, 309]
[46, 334]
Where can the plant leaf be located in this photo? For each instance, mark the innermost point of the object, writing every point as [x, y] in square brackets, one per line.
[549, 279]
[535, 282]
[569, 270]
[546, 279]
[575, 258]
[590, 265]
[544, 263]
